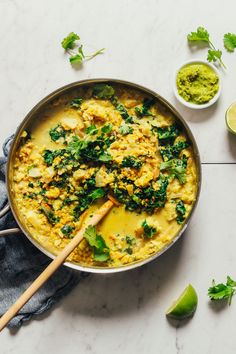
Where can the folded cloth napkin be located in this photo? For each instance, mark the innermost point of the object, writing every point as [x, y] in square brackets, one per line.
[21, 263]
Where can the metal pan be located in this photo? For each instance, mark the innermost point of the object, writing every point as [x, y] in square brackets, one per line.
[26, 124]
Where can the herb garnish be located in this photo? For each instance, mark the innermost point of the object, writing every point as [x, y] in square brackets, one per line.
[57, 133]
[180, 211]
[202, 35]
[101, 252]
[76, 52]
[125, 129]
[149, 231]
[222, 291]
[176, 167]
[144, 111]
[67, 230]
[230, 41]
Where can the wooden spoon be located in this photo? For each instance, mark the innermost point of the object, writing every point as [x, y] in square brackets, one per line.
[53, 266]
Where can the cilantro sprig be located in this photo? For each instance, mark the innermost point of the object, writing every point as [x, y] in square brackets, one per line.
[202, 35]
[101, 252]
[75, 50]
[222, 291]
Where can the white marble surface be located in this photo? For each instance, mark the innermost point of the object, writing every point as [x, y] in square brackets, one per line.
[145, 41]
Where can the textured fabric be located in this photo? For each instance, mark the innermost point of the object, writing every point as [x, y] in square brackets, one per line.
[21, 263]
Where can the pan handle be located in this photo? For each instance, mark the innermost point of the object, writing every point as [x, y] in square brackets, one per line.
[7, 231]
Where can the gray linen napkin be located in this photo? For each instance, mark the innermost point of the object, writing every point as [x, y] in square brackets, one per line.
[21, 263]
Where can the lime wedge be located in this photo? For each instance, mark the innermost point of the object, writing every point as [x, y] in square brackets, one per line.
[230, 118]
[185, 305]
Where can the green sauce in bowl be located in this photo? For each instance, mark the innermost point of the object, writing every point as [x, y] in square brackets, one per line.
[197, 83]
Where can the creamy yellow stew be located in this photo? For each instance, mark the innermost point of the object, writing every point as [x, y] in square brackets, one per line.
[97, 141]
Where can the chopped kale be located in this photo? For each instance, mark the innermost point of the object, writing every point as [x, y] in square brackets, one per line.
[48, 156]
[145, 199]
[144, 111]
[86, 198]
[149, 231]
[167, 135]
[91, 130]
[124, 113]
[57, 133]
[130, 161]
[67, 230]
[103, 91]
[180, 210]
[106, 129]
[52, 219]
[176, 167]
[169, 152]
[76, 102]
[125, 129]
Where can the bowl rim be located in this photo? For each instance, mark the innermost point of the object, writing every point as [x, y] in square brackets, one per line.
[56, 94]
[195, 105]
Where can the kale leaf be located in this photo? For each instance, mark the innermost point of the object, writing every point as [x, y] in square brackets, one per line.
[180, 210]
[169, 152]
[130, 161]
[57, 133]
[176, 167]
[149, 231]
[144, 110]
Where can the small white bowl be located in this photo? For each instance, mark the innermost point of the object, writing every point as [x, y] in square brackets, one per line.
[195, 105]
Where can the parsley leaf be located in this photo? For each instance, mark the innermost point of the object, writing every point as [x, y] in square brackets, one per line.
[76, 59]
[222, 291]
[69, 41]
[230, 41]
[101, 252]
[149, 231]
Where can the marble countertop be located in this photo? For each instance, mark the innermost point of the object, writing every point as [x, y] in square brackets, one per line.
[146, 42]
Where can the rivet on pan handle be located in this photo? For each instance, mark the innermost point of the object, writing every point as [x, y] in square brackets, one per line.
[7, 231]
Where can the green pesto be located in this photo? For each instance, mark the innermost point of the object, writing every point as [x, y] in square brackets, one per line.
[197, 83]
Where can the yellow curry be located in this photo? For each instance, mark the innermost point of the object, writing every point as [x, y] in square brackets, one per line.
[97, 141]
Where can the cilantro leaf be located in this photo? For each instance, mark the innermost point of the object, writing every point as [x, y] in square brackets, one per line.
[69, 41]
[222, 291]
[76, 59]
[200, 35]
[97, 193]
[230, 41]
[149, 231]
[214, 55]
[101, 252]
[103, 91]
